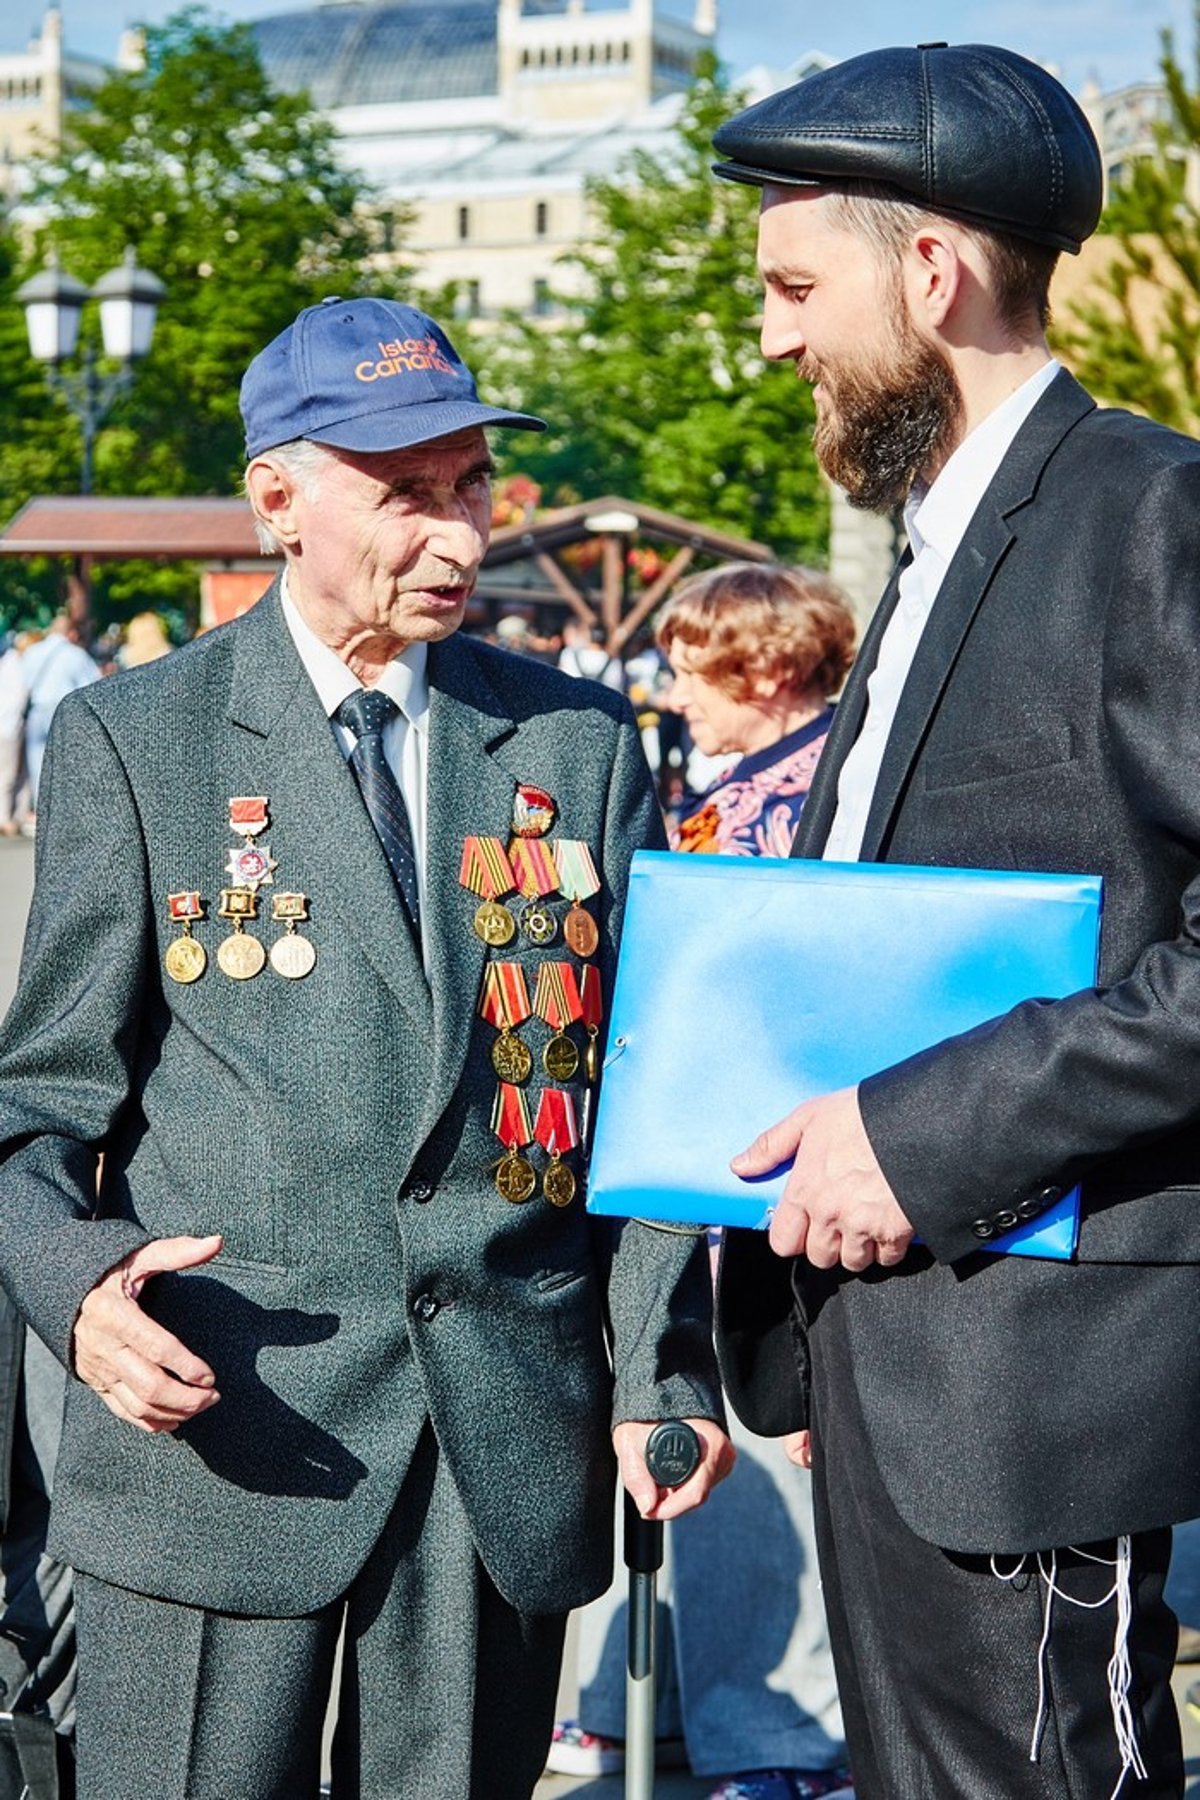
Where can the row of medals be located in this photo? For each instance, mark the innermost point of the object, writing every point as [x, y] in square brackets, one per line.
[512, 1059]
[241, 955]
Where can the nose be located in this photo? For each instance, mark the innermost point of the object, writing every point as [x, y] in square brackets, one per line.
[781, 335]
[456, 535]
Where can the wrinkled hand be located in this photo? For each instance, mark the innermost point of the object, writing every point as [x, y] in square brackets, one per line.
[654, 1502]
[836, 1205]
[140, 1371]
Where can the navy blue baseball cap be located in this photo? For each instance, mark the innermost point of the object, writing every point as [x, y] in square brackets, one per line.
[363, 375]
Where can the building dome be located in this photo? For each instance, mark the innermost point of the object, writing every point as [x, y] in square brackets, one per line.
[386, 52]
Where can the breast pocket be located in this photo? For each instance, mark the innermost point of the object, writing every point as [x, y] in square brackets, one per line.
[998, 759]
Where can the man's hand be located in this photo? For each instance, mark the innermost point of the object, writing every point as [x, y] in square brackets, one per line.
[797, 1447]
[837, 1205]
[141, 1372]
[654, 1502]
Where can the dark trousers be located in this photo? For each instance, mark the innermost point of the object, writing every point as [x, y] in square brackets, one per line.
[937, 1658]
[446, 1693]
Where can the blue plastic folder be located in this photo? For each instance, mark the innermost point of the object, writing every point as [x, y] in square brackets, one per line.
[746, 985]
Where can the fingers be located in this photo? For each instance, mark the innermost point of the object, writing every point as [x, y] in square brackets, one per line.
[141, 1371]
[797, 1447]
[629, 1442]
[789, 1229]
[164, 1256]
[773, 1147]
[716, 1463]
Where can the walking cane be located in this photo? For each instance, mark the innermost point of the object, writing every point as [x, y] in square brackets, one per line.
[672, 1455]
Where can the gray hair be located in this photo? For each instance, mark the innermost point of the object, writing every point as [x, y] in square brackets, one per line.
[304, 462]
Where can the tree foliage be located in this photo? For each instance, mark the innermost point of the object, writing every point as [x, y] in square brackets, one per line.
[652, 379]
[233, 195]
[1134, 337]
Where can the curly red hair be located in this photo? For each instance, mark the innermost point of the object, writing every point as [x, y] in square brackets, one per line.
[749, 622]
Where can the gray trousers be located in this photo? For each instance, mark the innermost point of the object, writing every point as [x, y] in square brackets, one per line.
[447, 1692]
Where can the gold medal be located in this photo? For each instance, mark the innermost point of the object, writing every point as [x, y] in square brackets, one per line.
[560, 1058]
[581, 932]
[515, 1179]
[591, 1056]
[512, 1058]
[241, 956]
[558, 1183]
[539, 924]
[495, 924]
[185, 960]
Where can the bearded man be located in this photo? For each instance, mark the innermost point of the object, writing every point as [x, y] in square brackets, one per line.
[999, 1444]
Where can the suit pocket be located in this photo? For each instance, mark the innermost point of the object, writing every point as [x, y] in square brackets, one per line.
[997, 759]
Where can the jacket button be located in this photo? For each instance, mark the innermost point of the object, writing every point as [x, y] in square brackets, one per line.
[983, 1228]
[420, 1191]
[426, 1308]
[1004, 1221]
[1049, 1195]
[1029, 1209]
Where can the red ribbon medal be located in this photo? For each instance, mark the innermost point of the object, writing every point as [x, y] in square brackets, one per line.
[486, 871]
[515, 1177]
[504, 1003]
[591, 999]
[556, 1000]
[557, 1132]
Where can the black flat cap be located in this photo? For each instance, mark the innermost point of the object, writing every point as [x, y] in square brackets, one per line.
[967, 129]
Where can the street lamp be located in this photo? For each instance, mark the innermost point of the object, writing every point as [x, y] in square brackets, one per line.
[129, 299]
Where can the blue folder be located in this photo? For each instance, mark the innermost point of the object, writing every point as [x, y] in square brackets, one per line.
[746, 985]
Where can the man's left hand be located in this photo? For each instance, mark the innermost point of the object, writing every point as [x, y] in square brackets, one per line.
[836, 1206]
[654, 1502]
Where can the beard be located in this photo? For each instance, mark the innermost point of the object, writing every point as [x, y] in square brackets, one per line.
[878, 427]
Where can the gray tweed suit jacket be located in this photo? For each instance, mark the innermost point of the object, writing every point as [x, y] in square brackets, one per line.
[1050, 721]
[335, 1129]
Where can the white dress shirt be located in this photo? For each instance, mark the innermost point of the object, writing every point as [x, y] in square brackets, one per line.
[405, 739]
[935, 519]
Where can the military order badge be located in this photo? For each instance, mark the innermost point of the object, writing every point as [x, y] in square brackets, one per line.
[252, 864]
[533, 812]
[185, 959]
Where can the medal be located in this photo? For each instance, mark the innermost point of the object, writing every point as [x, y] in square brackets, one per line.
[186, 959]
[533, 812]
[515, 1177]
[591, 1000]
[240, 955]
[292, 955]
[558, 1133]
[485, 870]
[252, 864]
[556, 1000]
[504, 1003]
[577, 877]
[536, 876]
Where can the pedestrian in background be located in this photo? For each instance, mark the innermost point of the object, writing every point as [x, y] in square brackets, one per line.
[53, 668]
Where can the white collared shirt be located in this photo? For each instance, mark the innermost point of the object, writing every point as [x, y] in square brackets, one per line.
[936, 520]
[405, 739]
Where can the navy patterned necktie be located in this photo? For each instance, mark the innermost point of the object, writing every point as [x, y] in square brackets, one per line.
[367, 714]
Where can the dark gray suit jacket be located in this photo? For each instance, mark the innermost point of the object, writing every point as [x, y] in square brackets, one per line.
[336, 1129]
[1051, 721]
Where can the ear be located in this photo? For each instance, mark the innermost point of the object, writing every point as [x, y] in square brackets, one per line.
[273, 495]
[934, 273]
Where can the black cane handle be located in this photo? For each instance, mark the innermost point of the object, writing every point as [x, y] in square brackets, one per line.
[673, 1454]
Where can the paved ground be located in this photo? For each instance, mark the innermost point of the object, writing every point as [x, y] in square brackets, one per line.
[16, 883]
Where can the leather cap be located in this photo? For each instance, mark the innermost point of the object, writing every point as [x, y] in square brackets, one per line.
[966, 129]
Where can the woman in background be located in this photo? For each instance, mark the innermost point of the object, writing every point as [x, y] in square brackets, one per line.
[747, 1688]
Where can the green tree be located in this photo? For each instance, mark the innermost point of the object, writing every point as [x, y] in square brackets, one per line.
[652, 381]
[1133, 336]
[233, 195]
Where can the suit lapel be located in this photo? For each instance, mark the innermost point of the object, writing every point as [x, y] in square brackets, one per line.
[474, 769]
[271, 695]
[989, 535]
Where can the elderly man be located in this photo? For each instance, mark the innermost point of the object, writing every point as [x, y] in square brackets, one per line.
[999, 1443]
[325, 921]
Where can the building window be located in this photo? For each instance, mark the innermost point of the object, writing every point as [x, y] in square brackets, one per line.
[387, 231]
[541, 219]
[464, 222]
[467, 300]
[541, 297]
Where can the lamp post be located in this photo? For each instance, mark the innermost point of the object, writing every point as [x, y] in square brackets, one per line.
[129, 299]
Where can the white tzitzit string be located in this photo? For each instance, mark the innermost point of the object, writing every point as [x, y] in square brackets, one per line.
[1120, 1673]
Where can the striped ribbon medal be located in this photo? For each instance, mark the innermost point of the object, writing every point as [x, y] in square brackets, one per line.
[504, 1003]
[537, 876]
[578, 879]
[487, 872]
[556, 1000]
